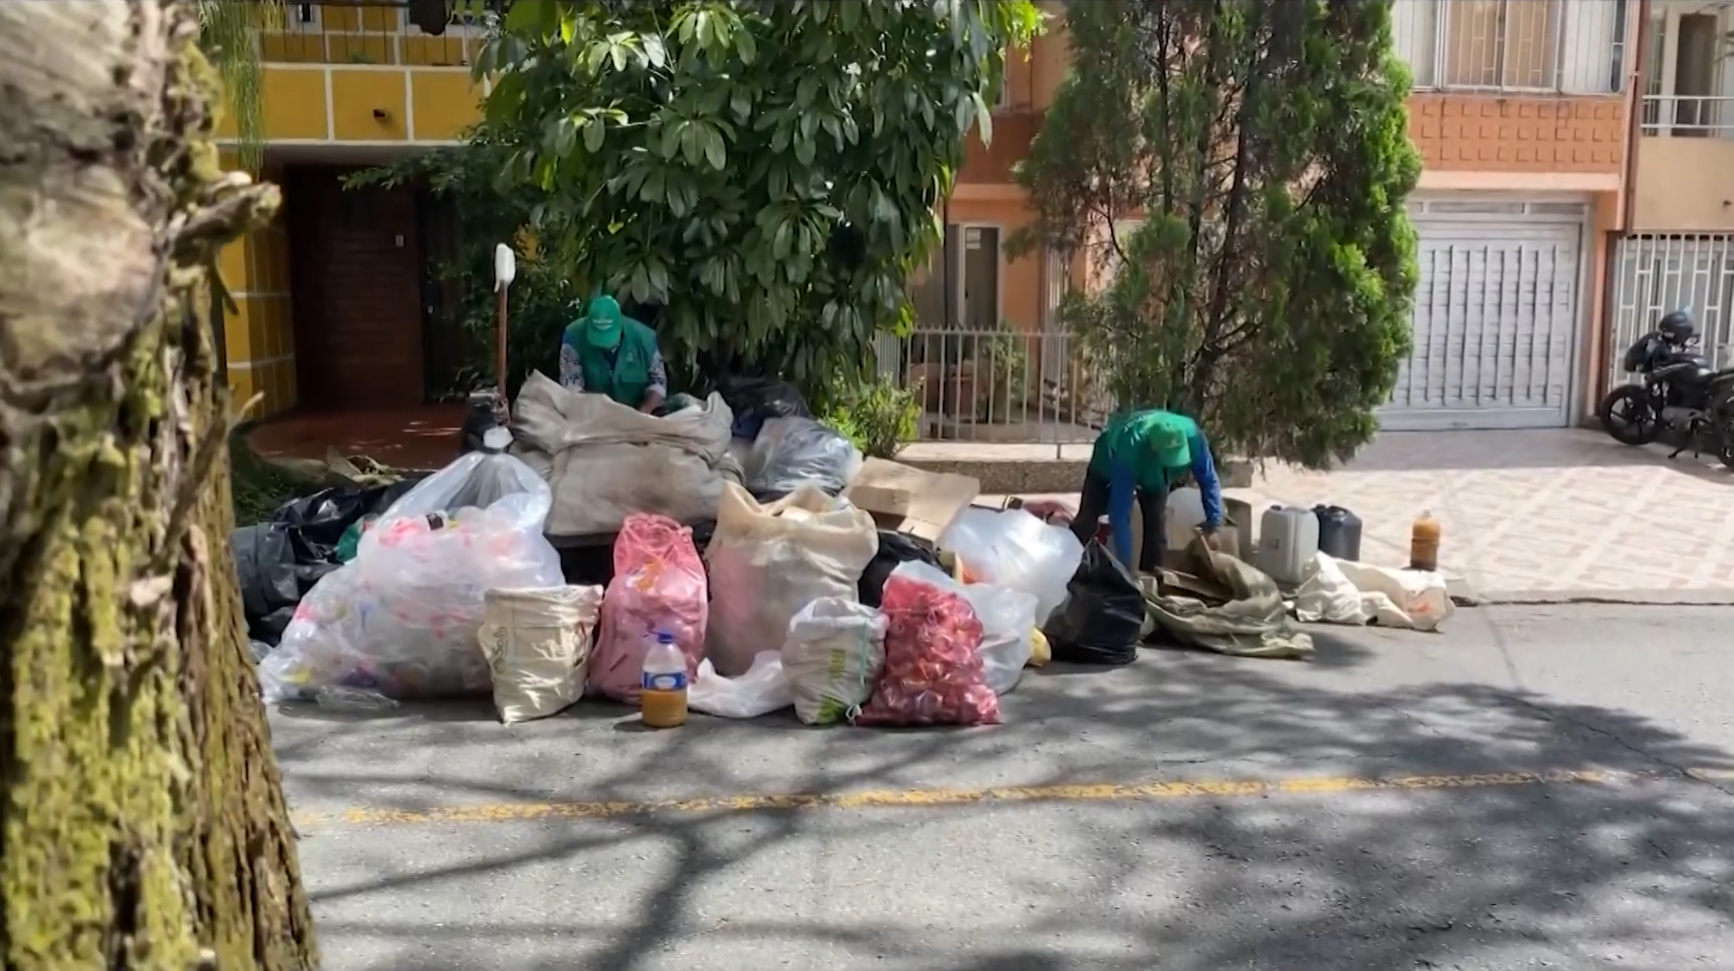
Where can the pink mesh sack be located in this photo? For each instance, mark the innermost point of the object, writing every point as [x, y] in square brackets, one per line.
[933, 671]
[658, 585]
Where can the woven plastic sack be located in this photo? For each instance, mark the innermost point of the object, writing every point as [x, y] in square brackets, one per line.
[933, 669]
[833, 657]
[658, 586]
[537, 641]
[767, 562]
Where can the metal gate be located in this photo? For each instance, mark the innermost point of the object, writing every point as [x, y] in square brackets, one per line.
[1655, 274]
[1495, 320]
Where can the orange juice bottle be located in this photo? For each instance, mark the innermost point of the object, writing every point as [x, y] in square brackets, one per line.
[662, 684]
[1424, 543]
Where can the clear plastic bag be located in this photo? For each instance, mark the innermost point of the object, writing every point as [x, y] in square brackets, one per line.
[401, 619]
[834, 654]
[933, 667]
[1008, 618]
[1015, 549]
[760, 691]
[658, 586]
[791, 451]
[769, 561]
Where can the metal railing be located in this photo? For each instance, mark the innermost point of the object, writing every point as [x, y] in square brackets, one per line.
[1564, 46]
[997, 386]
[1688, 116]
[366, 32]
[1656, 274]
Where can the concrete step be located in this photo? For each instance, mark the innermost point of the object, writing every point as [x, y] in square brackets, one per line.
[1007, 469]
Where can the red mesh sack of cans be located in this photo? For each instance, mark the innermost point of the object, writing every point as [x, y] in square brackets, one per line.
[933, 671]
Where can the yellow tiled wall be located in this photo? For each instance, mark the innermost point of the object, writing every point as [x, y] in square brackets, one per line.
[259, 337]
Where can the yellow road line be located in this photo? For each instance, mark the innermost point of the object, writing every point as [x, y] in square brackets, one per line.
[894, 799]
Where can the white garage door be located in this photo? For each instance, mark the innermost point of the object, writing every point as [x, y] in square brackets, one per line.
[1495, 320]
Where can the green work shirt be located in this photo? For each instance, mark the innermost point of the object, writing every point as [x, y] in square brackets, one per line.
[623, 373]
[1127, 436]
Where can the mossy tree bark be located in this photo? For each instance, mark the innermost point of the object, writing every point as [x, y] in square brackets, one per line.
[142, 824]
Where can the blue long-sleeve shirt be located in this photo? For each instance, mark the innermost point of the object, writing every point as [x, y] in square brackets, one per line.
[1123, 488]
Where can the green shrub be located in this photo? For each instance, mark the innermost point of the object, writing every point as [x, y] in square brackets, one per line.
[879, 417]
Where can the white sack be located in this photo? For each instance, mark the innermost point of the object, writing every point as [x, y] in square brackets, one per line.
[832, 658]
[1346, 592]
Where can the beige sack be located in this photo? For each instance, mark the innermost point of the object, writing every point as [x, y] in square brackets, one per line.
[767, 562]
[537, 642]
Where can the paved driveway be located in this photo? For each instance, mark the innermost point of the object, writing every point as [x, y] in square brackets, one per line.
[1538, 515]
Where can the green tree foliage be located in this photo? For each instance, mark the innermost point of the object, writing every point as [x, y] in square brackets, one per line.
[760, 174]
[1264, 145]
[227, 29]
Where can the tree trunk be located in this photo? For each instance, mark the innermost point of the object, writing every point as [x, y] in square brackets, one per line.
[144, 826]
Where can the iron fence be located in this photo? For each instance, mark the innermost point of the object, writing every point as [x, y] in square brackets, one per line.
[1655, 274]
[1574, 46]
[997, 386]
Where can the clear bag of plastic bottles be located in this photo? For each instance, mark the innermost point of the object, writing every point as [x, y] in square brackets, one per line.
[401, 619]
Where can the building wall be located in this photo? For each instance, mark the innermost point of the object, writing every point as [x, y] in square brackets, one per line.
[258, 333]
[1457, 132]
[316, 104]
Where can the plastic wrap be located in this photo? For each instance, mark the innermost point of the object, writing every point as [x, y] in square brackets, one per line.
[760, 691]
[933, 668]
[833, 657]
[658, 585]
[767, 562]
[401, 619]
[1015, 549]
[789, 452]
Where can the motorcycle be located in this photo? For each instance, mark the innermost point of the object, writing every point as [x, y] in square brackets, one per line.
[1679, 392]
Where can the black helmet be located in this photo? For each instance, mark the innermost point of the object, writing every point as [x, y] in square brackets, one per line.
[1676, 327]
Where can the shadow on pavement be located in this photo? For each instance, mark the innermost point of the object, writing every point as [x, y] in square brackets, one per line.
[1634, 874]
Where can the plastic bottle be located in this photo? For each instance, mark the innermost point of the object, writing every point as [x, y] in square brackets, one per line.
[1424, 543]
[662, 684]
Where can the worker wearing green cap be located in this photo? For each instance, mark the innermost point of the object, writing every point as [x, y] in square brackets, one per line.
[1139, 455]
[607, 352]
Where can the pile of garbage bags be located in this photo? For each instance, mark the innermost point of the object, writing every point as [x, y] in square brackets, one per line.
[801, 601]
[800, 598]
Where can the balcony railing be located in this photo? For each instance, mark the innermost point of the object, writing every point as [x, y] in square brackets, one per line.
[1542, 46]
[1688, 116]
[365, 32]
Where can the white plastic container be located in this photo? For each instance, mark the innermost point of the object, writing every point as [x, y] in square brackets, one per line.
[1288, 536]
[1185, 514]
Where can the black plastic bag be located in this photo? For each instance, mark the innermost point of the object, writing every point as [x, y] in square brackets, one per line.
[278, 561]
[894, 548]
[1103, 612]
[755, 399]
[321, 518]
[274, 567]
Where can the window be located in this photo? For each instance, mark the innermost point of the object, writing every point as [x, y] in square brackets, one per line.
[1501, 43]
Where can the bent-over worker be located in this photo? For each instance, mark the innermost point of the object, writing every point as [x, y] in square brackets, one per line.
[607, 352]
[1140, 455]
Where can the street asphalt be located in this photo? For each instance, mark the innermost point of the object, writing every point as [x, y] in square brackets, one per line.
[1536, 787]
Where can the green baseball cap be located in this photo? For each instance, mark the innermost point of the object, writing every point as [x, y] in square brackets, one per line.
[1166, 437]
[602, 322]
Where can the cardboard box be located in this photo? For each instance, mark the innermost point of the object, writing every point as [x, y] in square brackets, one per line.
[911, 500]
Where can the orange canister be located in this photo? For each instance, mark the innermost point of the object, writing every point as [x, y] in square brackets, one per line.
[1424, 543]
